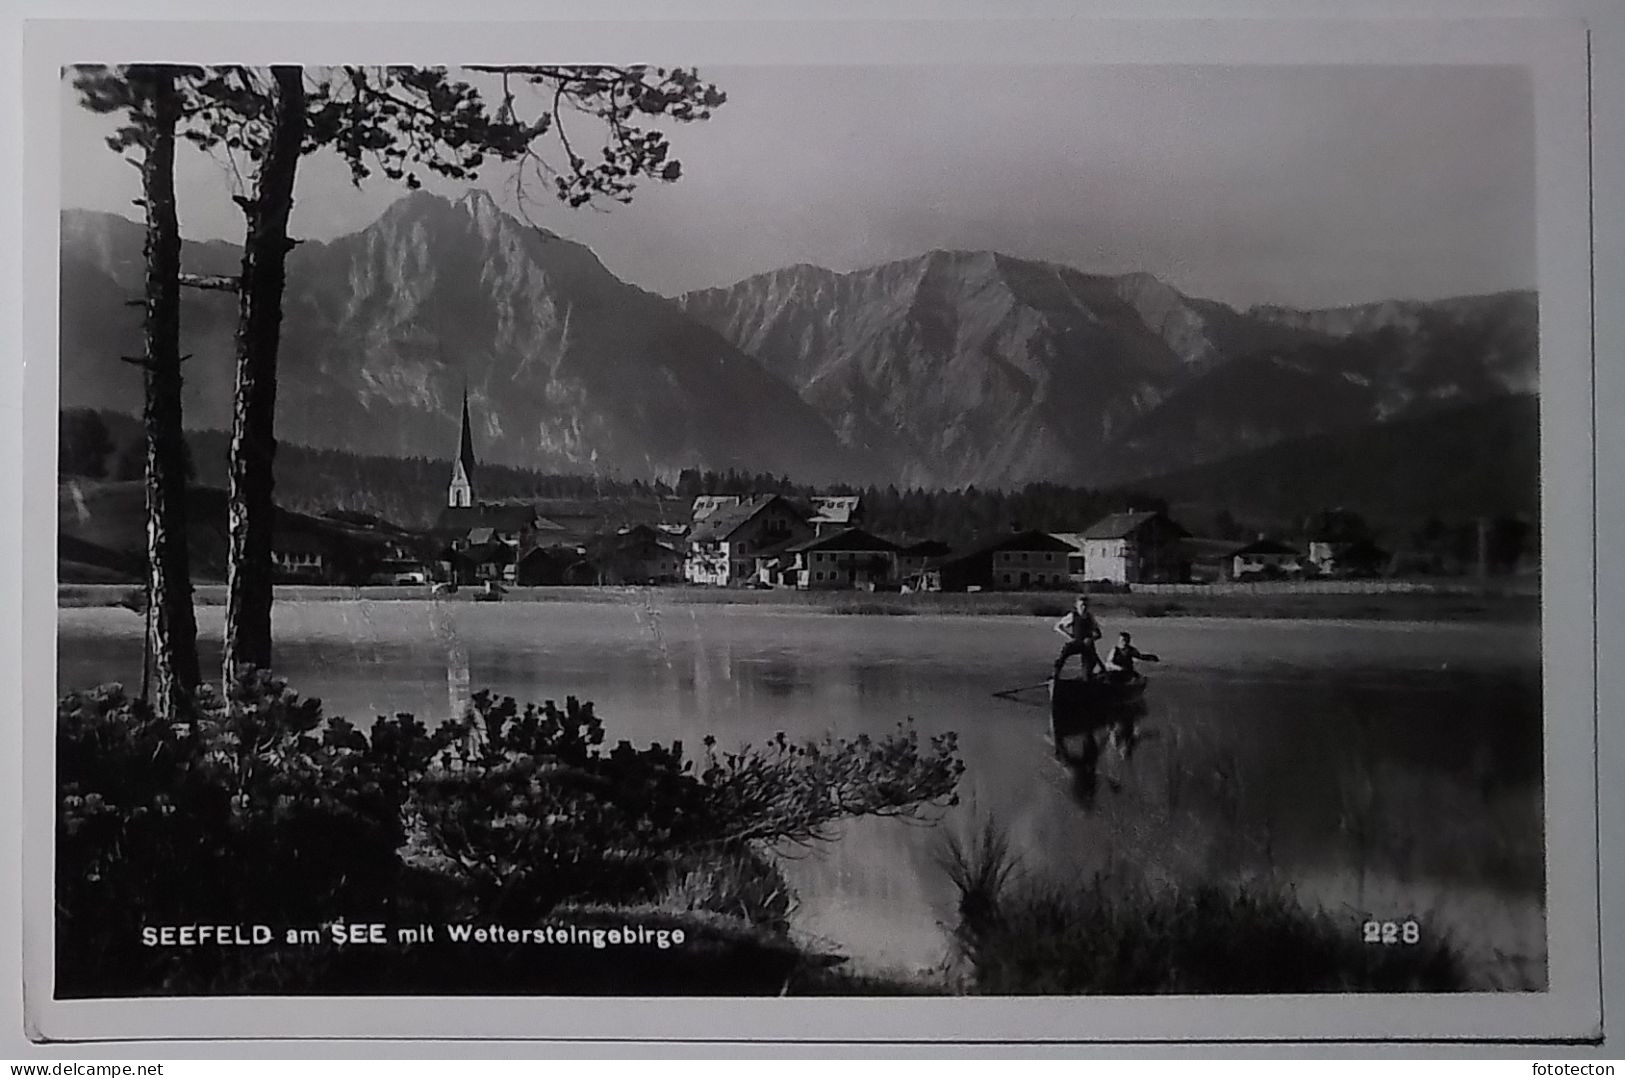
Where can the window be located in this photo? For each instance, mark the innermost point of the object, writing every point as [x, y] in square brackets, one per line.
[818, 575]
[1007, 578]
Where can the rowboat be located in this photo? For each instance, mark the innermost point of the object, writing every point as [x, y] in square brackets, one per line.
[1093, 701]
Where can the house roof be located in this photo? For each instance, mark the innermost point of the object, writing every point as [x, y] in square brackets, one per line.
[503, 517]
[637, 542]
[1358, 550]
[480, 536]
[707, 504]
[1024, 541]
[490, 553]
[724, 522]
[638, 531]
[845, 539]
[291, 542]
[551, 553]
[370, 522]
[1265, 546]
[835, 509]
[1071, 539]
[1123, 525]
[1209, 550]
[771, 553]
[647, 548]
[1027, 541]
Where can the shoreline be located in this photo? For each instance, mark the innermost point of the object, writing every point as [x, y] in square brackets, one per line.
[1405, 602]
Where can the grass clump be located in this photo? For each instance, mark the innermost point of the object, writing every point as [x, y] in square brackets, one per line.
[743, 883]
[1106, 936]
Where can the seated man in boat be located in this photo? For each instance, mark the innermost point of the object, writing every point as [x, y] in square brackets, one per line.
[1120, 663]
[1081, 631]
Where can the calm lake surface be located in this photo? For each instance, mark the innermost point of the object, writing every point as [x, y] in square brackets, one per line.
[1388, 769]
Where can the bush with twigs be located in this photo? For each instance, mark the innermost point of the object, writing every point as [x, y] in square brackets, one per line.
[260, 810]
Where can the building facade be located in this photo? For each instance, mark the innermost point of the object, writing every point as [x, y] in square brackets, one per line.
[1029, 560]
[300, 557]
[1359, 558]
[1266, 557]
[726, 548]
[635, 555]
[844, 560]
[1076, 567]
[1134, 548]
[1016, 562]
[917, 565]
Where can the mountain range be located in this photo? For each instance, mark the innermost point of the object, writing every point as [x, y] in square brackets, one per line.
[947, 369]
[971, 367]
[567, 368]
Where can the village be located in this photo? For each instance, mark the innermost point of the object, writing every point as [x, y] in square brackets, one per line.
[772, 540]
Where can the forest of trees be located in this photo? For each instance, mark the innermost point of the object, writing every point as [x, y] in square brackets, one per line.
[411, 491]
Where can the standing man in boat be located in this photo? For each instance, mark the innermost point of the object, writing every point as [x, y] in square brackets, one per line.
[1120, 663]
[1081, 631]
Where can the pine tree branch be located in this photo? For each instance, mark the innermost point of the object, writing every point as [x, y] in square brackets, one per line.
[210, 283]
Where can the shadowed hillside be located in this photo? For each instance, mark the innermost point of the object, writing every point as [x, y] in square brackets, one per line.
[1476, 460]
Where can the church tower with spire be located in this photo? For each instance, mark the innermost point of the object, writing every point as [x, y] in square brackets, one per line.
[461, 491]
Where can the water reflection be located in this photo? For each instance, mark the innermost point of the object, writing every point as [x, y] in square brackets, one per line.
[459, 682]
[1081, 744]
[1373, 766]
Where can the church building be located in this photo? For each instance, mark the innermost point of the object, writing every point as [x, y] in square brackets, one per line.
[484, 540]
[461, 493]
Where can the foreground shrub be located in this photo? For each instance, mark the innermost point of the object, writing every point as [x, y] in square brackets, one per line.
[254, 811]
[1106, 936]
[528, 809]
[260, 811]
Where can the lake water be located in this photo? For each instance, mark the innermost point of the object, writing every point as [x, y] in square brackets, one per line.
[1391, 769]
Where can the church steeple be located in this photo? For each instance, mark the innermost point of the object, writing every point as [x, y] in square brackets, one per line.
[461, 491]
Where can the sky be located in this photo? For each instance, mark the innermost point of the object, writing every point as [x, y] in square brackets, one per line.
[1305, 186]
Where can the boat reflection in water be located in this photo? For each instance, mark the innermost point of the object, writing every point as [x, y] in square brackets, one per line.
[1086, 718]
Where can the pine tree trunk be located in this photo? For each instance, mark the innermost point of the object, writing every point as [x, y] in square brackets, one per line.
[174, 627]
[253, 434]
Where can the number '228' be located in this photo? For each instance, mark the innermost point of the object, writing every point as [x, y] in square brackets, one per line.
[1391, 932]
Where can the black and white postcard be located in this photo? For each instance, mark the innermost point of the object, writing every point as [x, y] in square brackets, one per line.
[1086, 521]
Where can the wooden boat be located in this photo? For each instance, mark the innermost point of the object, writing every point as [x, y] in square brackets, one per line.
[1095, 701]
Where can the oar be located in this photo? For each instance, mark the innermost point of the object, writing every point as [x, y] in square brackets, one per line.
[1008, 694]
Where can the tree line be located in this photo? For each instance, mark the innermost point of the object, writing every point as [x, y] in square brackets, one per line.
[409, 491]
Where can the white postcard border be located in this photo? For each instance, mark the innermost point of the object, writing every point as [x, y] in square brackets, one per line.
[1554, 51]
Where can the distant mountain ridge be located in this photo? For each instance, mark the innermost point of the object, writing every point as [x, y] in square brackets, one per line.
[971, 367]
[567, 367]
[948, 369]
[1453, 463]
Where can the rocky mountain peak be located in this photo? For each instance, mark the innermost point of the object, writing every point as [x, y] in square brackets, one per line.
[947, 368]
[963, 366]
